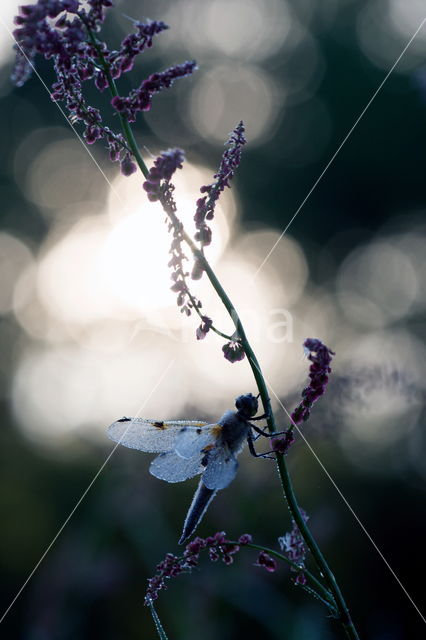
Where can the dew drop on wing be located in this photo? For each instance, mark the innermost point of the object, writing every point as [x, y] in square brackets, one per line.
[171, 467]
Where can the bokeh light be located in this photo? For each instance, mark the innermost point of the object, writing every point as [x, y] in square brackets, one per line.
[381, 402]
[385, 28]
[377, 285]
[252, 29]
[231, 93]
[15, 258]
[98, 298]
[7, 13]
[97, 288]
[90, 331]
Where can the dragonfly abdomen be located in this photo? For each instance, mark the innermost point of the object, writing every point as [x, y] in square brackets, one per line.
[201, 500]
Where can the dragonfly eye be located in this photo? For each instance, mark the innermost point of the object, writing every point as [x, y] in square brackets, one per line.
[247, 405]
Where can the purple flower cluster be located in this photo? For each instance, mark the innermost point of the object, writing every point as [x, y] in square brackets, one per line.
[123, 60]
[164, 167]
[218, 547]
[206, 205]
[127, 165]
[231, 158]
[184, 299]
[34, 34]
[320, 356]
[159, 187]
[64, 39]
[140, 99]
[282, 444]
[294, 547]
[96, 15]
[63, 31]
[74, 57]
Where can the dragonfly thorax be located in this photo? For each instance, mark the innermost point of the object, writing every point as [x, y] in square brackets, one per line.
[234, 430]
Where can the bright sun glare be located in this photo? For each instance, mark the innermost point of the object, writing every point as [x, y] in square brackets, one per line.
[116, 264]
[135, 270]
[135, 255]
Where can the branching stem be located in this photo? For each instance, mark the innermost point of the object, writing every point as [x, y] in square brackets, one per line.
[325, 571]
[324, 592]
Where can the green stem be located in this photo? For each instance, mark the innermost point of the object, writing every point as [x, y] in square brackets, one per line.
[99, 126]
[322, 564]
[324, 592]
[197, 310]
[114, 93]
[161, 633]
[286, 483]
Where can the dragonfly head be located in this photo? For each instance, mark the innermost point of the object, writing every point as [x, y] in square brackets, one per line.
[247, 405]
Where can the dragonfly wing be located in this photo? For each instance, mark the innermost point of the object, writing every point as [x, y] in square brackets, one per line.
[193, 440]
[173, 468]
[221, 468]
[149, 435]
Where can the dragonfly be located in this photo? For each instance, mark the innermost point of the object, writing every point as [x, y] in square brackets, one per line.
[190, 447]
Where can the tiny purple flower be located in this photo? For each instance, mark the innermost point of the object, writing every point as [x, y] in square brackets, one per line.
[282, 444]
[300, 579]
[164, 167]
[213, 555]
[294, 547]
[96, 15]
[196, 545]
[233, 351]
[197, 269]
[204, 327]
[266, 561]
[127, 165]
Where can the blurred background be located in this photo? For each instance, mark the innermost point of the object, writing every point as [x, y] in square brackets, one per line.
[89, 329]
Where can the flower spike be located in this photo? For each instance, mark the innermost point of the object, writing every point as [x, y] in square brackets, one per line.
[206, 204]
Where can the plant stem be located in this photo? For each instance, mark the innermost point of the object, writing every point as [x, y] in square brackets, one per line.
[344, 615]
[197, 310]
[286, 483]
[325, 593]
[127, 130]
[161, 633]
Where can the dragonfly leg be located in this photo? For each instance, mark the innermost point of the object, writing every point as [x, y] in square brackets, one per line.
[265, 416]
[262, 432]
[254, 452]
